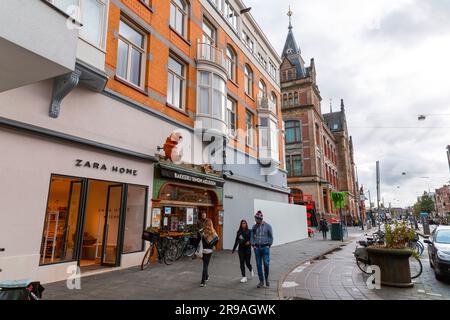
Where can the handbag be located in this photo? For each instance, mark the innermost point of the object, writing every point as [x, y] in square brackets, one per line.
[214, 240]
[199, 251]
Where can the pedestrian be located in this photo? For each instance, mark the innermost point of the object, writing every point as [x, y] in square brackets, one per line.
[324, 227]
[243, 238]
[208, 238]
[261, 240]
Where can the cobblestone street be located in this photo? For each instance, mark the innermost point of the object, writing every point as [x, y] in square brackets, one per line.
[337, 277]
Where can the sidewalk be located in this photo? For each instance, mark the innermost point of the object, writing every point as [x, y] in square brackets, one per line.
[337, 277]
[181, 280]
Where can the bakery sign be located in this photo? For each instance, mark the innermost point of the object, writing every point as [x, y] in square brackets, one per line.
[191, 177]
[103, 167]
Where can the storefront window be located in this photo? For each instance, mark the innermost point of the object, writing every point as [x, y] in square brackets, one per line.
[179, 219]
[134, 219]
[61, 220]
[185, 194]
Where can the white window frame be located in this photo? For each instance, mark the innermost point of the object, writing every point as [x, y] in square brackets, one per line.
[211, 90]
[232, 110]
[248, 76]
[231, 63]
[184, 13]
[182, 78]
[79, 17]
[250, 135]
[142, 50]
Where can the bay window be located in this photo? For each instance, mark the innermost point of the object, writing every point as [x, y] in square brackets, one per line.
[212, 95]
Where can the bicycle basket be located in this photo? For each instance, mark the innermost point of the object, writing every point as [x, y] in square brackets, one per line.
[150, 236]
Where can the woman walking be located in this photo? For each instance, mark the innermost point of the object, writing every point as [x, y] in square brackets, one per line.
[243, 238]
[208, 238]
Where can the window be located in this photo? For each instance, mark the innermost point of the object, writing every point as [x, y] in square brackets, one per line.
[297, 165]
[209, 33]
[290, 100]
[293, 132]
[262, 93]
[273, 103]
[131, 54]
[296, 99]
[248, 41]
[285, 100]
[212, 95]
[294, 165]
[230, 15]
[61, 220]
[92, 14]
[134, 219]
[272, 70]
[178, 9]
[248, 80]
[249, 128]
[231, 116]
[231, 63]
[176, 83]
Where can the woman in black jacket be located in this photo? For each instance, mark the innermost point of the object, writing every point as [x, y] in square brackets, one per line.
[245, 249]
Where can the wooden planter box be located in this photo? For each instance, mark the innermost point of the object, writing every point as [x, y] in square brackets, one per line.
[394, 266]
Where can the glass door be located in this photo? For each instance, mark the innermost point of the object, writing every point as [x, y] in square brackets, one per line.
[110, 248]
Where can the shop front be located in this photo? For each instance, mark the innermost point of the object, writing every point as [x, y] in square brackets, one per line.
[181, 194]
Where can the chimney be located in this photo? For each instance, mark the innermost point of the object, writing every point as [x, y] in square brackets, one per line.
[342, 105]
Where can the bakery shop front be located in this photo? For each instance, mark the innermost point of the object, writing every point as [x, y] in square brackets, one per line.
[181, 193]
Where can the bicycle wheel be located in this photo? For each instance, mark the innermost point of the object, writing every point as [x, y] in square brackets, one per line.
[421, 246]
[189, 250]
[147, 257]
[416, 267]
[362, 265]
[171, 253]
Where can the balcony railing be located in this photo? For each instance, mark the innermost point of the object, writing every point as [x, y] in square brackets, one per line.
[207, 52]
[265, 104]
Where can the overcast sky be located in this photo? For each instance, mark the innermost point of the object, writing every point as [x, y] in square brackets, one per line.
[390, 61]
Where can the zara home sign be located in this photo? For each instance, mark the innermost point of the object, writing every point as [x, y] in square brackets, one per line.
[103, 167]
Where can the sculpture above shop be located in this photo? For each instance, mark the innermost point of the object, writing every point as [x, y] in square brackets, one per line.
[172, 151]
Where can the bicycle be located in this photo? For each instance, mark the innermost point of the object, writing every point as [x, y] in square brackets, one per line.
[182, 246]
[363, 260]
[163, 254]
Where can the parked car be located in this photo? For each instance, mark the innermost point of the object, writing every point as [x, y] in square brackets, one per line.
[439, 251]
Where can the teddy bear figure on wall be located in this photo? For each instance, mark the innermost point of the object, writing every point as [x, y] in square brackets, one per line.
[172, 150]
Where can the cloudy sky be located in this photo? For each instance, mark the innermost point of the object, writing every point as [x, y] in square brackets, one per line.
[390, 61]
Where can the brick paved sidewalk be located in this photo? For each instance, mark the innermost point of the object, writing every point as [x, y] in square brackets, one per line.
[337, 277]
[181, 280]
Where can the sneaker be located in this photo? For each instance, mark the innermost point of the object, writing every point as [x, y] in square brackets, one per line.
[267, 283]
[260, 285]
[253, 274]
[244, 279]
[207, 279]
[202, 284]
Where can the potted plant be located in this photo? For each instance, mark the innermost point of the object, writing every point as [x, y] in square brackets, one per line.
[339, 202]
[393, 257]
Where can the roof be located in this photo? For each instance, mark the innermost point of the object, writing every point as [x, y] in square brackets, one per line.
[292, 52]
[335, 120]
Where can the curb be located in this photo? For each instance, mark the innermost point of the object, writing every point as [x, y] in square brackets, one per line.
[283, 278]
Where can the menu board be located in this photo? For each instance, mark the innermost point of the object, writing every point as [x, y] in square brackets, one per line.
[189, 216]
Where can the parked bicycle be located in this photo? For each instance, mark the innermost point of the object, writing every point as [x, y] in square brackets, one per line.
[363, 259]
[164, 251]
[181, 246]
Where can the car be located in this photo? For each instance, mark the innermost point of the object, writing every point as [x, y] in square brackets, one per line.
[439, 251]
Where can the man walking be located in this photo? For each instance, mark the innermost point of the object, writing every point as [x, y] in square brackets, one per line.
[261, 240]
[324, 227]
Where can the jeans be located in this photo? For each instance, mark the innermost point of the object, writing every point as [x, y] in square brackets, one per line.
[245, 255]
[262, 256]
[324, 234]
[206, 258]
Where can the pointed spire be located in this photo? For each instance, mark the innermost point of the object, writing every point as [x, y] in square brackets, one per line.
[290, 13]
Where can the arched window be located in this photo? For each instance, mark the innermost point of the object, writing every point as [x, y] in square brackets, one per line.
[293, 132]
[178, 12]
[290, 100]
[296, 99]
[285, 100]
[231, 63]
[248, 80]
[262, 93]
[273, 102]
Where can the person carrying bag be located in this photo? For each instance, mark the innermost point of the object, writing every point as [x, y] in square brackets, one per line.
[208, 238]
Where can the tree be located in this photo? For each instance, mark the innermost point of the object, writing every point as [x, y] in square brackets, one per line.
[424, 204]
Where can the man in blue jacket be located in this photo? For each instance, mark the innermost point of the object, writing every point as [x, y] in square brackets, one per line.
[261, 240]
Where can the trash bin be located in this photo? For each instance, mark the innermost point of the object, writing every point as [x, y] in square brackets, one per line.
[336, 232]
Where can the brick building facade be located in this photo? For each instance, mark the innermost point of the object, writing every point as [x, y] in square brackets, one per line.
[319, 151]
[443, 201]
